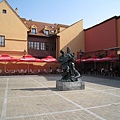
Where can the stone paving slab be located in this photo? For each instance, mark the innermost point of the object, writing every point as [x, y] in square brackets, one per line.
[36, 98]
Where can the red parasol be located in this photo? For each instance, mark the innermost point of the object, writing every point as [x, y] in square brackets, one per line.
[6, 58]
[29, 58]
[49, 59]
[92, 59]
[107, 58]
[82, 60]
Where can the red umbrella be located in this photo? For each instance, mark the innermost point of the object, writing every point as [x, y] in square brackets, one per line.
[49, 59]
[29, 58]
[6, 58]
[92, 59]
[82, 60]
[107, 58]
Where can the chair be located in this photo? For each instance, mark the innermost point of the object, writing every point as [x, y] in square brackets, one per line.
[58, 71]
[31, 71]
[37, 71]
[7, 72]
[45, 71]
[25, 71]
[21, 72]
[13, 72]
[0, 72]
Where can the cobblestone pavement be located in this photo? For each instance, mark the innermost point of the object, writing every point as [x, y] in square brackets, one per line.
[36, 98]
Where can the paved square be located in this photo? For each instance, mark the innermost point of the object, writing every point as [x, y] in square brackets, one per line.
[33, 97]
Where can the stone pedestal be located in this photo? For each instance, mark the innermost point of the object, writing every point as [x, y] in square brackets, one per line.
[64, 86]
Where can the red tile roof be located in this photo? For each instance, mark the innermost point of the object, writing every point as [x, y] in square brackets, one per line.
[40, 26]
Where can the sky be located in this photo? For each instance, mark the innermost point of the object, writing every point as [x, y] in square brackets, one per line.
[67, 11]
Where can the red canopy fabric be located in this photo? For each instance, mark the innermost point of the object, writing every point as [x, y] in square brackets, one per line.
[29, 58]
[92, 59]
[110, 57]
[82, 60]
[7, 58]
[49, 59]
[106, 59]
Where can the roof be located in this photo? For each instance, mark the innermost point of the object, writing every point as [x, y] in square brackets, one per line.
[113, 48]
[114, 17]
[41, 26]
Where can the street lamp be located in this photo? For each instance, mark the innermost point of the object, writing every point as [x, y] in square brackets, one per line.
[24, 52]
[81, 54]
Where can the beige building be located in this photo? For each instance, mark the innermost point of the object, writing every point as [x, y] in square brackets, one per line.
[13, 32]
[14, 36]
[73, 37]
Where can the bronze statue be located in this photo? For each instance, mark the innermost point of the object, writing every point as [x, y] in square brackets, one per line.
[70, 74]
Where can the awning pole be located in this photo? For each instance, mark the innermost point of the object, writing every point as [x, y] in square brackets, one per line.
[119, 66]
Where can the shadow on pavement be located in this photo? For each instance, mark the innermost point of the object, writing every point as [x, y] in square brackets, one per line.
[36, 89]
[102, 81]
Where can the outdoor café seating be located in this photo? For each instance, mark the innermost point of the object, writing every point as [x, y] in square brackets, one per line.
[7, 72]
[0, 71]
[31, 71]
[13, 72]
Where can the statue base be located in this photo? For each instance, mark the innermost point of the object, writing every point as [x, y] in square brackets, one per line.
[64, 86]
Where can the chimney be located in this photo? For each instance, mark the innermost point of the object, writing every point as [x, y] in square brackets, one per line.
[16, 10]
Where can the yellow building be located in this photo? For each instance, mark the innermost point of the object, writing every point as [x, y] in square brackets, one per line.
[73, 37]
[13, 32]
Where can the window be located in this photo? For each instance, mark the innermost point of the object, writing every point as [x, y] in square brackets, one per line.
[4, 11]
[30, 45]
[47, 47]
[42, 46]
[33, 45]
[52, 31]
[47, 32]
[53, 47]
[37, 46]
[34, 30]
[58, 30]
[52, 26]
[2, 41]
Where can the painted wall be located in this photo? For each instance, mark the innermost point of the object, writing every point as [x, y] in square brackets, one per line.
[13, 29]
[51, 41]
[72, 37]
[118, 34]
[101, 36]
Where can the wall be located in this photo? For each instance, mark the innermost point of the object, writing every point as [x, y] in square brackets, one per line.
[72, 37]
[101, 36]
[118, 33]
[42, 53]
[13, 29]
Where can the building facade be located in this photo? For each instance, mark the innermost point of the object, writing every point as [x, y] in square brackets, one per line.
[103, 40]
[13, 32]
[72, 37]
[41, 38]
[100, 37]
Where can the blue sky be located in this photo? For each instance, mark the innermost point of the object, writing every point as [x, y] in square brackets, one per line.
[67, 11]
